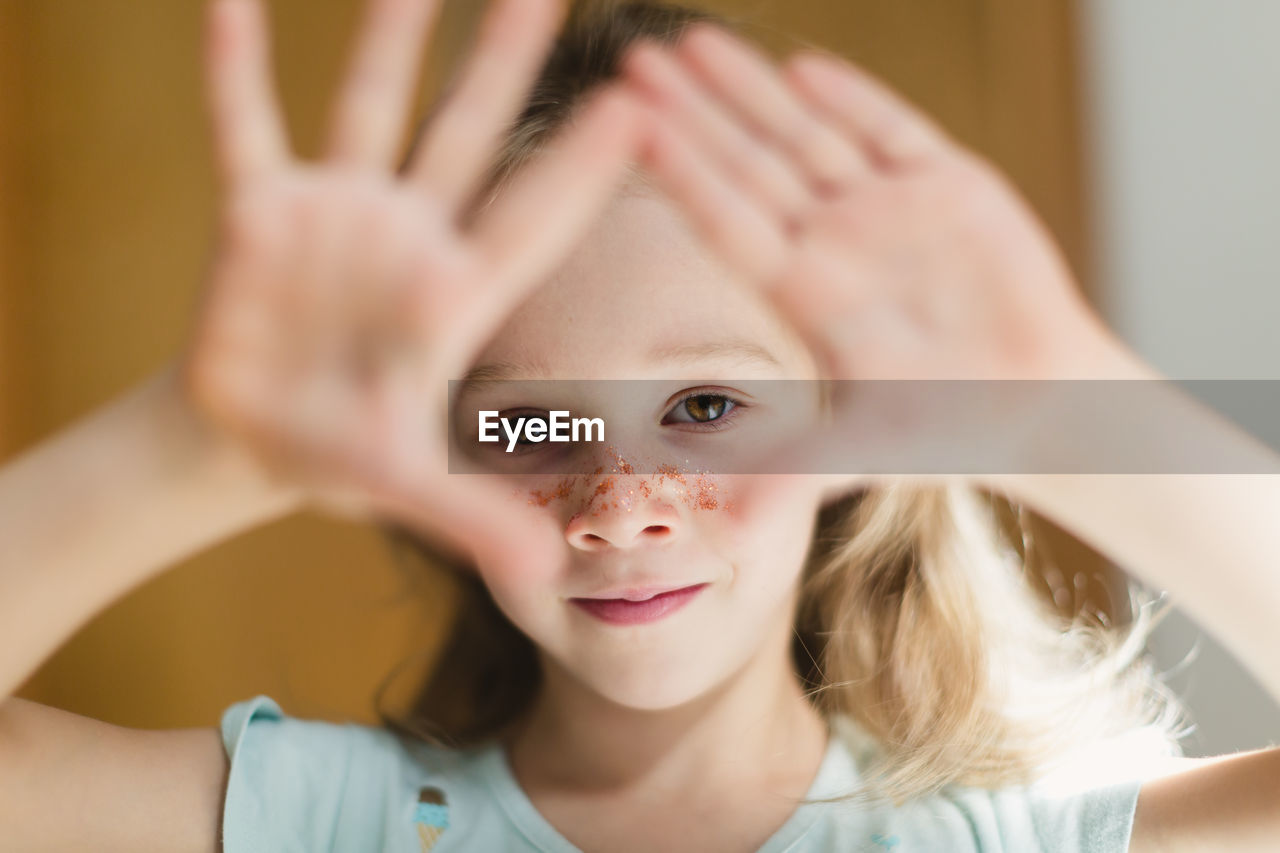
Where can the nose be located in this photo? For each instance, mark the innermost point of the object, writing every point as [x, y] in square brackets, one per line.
[623, 512]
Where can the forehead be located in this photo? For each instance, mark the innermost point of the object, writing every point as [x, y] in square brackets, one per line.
[639, 280]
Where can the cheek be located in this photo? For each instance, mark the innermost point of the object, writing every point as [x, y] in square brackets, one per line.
[528, 602]
[766, 537]
[769, 514]
[523, 592]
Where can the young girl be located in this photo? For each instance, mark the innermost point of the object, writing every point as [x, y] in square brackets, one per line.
[666, 660]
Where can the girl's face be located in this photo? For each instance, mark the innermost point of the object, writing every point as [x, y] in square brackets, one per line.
[640, 299]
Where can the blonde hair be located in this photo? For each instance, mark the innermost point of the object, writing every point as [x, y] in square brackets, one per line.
[916, 618]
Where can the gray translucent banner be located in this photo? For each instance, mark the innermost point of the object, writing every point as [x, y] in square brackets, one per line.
[878, 427]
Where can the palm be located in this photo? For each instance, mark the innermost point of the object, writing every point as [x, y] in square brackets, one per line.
[936, 273]
[897, 253]
[344, 294]
[310, 297]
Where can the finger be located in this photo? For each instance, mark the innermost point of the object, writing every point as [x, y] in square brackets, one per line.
[743, 233]
[371, 111]
[746, 80]
[249, 135]
[524, 234]
[460, 142]
[415, 478]
[752, 163]
[894, 132]
[490, 524]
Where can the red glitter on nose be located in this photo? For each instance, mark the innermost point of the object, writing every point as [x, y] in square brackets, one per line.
[703, 495]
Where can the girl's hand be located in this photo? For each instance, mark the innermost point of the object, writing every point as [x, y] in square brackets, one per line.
[895, 252]
[343, 296]
[903, 255]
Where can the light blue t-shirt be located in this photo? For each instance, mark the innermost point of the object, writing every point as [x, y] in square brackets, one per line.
[299, 786]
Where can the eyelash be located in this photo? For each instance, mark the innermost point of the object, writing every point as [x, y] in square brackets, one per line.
[719, 423]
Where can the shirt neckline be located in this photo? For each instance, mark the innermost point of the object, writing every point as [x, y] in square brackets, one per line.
[835, 774]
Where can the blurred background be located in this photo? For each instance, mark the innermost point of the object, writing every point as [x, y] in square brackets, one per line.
[1143, 132]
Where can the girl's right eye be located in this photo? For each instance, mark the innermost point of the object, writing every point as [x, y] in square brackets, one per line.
[707, 409]
[704, 407]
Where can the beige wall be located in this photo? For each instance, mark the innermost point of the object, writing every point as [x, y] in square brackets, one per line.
[107, 200]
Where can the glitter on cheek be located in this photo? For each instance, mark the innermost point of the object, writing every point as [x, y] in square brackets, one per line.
[561, 491]
[706, 498]
[705, 492]
[623, 466]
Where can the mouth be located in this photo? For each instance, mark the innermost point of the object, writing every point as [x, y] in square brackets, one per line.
[634, 607]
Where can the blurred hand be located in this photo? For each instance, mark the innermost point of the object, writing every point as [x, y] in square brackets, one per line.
[900, 253]
[894, 251]
[343, 295]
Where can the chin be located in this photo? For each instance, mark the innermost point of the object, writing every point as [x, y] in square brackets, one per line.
[645, 679]
[649, 689]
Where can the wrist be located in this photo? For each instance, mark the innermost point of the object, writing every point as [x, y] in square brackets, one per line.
[1076, 420]
[1096, 352]
[192, 447]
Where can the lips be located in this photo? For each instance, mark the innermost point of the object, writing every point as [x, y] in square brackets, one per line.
[636, 606]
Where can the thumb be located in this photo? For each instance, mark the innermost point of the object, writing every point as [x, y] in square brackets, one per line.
[481, 516]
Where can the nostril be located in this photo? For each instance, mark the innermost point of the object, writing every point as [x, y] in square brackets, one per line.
[616, 532]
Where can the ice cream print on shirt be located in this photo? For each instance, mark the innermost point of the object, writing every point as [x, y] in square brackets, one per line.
[431, 816]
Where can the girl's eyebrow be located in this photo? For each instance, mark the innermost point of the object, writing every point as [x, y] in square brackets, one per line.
[738, 350]
[496, 371]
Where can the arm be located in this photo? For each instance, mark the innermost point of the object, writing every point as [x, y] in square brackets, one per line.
[1221, 803]
[85, 516]
[1213, 541]
[108, 503]
[69, 782]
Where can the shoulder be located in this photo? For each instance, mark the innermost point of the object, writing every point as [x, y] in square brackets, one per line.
[979, 820]
[299, 784]
[1063, 813]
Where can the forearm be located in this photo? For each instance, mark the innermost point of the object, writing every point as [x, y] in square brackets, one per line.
[1211, 540]
[106, 504]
